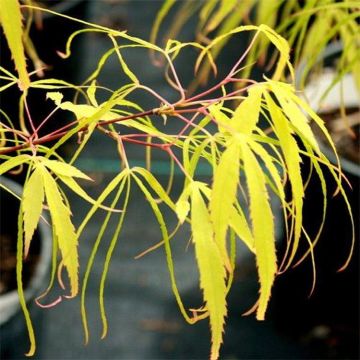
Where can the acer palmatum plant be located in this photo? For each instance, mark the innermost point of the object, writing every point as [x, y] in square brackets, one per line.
[230, 140]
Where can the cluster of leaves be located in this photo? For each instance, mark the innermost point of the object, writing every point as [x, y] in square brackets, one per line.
[237, 147]
[309, 26]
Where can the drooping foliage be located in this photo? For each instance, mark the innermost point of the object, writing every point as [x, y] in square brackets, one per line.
[254, 150]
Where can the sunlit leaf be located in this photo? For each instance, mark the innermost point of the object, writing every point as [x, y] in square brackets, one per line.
[64, 169]
[211, 268]
[13, 163]
[247, 113]
[262, 226]
[223, 195]
[65, 231]
[11, 22]
[32, 204]
[292, 159]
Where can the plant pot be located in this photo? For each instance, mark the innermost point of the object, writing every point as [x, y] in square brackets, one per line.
[327, 322]
[14, 336]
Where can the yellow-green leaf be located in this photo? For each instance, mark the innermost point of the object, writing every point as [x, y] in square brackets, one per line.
[64, 169]
[292, 158]
[11, 22]
[32, 204]
[284, 93]
[247, 113]
[13, 163]
[91, 93]
[262, 226]
[211, 268]
[182, 206]
[64, 229]
[223, 196]
[55, 96]
[239, 224]
[221, 118]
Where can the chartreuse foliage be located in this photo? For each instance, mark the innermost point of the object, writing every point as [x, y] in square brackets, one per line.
[309, 26]
[254, 151]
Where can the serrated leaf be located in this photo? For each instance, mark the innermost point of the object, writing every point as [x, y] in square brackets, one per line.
[262, 226]
[64, 229]
[55, 96]
[211, 268]
[80, 110]
[11, 22]
[284, 49]
[32, 204]
[284, 93]
[247, 113]
[292, 158]
[223, 196]
[64, 169]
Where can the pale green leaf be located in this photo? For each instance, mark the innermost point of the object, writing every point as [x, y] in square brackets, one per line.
[77, 189]
[166, 240]
[161, 14]
[155, 186]
[123, 63]
[91, 93]
[32, 204]
[262, 226]
[64, 229]
[64, 169]
[11, 22]
[211, 268]
[223, 196]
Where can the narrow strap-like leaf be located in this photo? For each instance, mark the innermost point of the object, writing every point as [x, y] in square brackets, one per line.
[11, 22]
[211, 268]
[32, 204]
[65, 231]
[223, 196]
[262, 225]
